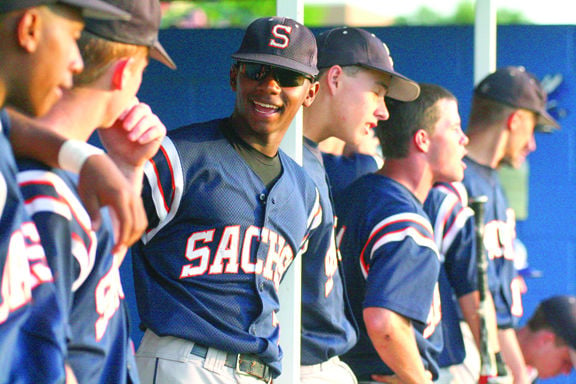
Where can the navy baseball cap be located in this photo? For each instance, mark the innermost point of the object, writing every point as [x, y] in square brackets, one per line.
[141, 29]
[90, 8]
[518, 88]
[560, 313]
[281, 42]
[354, 46]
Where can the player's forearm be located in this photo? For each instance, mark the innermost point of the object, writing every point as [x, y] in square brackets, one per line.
[30, 140]
[393, 338]
[470, 306]
[512, 354]
[134, 176]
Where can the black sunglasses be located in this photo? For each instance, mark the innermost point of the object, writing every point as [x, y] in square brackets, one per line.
[284, 77]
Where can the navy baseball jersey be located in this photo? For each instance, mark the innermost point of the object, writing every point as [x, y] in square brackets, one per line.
[390, 261]
[343, 170]
[328, 327]
[447, 207]
[219, 242]
[25, 278]
[499, 234]
[87, 276]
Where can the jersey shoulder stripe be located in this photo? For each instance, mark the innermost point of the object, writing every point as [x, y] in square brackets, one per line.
[46, 191]
[449, 219]
[397, 228]
[166, 181]
[456, 188]
[49, 193]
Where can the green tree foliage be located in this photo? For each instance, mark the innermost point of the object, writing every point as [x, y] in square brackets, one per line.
[239, 13]
[464, 14]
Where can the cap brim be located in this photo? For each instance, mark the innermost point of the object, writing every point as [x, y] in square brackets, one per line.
[401, 88]
[97, 9]
[158, 52]
[278, 61]
[546, 123]
[530, 273]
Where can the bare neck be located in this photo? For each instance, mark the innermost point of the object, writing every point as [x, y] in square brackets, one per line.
[267, 144]
[412, 173]
[487, 147]
[78, 114]
[318, 120]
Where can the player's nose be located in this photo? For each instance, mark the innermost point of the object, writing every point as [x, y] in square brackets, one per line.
[382, 112]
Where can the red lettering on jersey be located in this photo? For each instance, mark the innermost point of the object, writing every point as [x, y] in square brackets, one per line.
[435, 314]
[227, 249]
[278, 258]
[39, 268]
[275, 245]
[252, 233]
[26, 267]
[108, 295]
[194, 253]
[499, 240]
[280, 40]
[330, 265]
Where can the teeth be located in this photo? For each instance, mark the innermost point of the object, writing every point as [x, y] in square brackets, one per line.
[265, 105]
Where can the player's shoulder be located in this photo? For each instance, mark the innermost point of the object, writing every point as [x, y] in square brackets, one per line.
[197, 132]
[454, 190]
[291, 169]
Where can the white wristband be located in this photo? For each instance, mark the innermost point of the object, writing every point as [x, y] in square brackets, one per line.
[73, 154]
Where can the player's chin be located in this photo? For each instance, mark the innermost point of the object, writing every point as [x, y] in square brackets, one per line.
[452, 175]
[47, 103]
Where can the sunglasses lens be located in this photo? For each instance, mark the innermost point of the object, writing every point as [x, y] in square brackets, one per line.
[284, 77]
[255, 72]
[289, 78]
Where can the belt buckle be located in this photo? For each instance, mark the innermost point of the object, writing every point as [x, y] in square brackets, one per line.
[238, 370]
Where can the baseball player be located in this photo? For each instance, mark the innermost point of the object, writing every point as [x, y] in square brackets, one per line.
[548, 340]
[454, 233]
[507, 106]
[356, 73]
[35, 65]
[350, 161]
[390, 258]
[86, 268]
[228, 211]
[34, 72]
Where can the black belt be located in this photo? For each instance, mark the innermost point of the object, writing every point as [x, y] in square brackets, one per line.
[247, 364]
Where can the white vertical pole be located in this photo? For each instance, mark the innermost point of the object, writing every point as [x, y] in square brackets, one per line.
[291, 287]
[484, 39]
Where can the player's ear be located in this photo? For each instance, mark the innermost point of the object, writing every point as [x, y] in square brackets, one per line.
[311, 94]
[120, 73]
[513, 120]
[421, 140]
[233, 76]
[28, 29]
[333, 78]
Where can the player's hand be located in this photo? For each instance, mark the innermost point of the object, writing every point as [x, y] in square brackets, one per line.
[102, 184]
[393, 379]
[135, 137]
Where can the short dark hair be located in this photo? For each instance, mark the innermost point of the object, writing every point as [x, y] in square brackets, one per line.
[406, 118]
[484, 112]
[539, 322]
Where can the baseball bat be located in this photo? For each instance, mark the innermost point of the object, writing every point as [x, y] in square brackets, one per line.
[488, 369]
